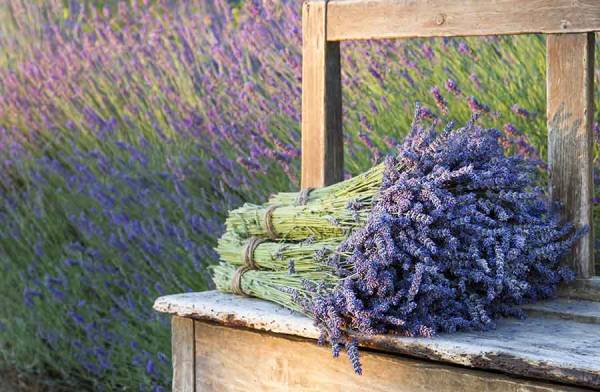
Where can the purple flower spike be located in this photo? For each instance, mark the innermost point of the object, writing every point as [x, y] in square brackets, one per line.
[518, 110]
[452, 87]
[458, 236]
[476, 106]
[441, 103]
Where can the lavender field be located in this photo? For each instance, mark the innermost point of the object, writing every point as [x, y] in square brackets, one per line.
[128, 131]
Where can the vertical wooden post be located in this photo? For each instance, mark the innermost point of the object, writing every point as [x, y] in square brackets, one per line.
[322, 142]
[183, 354]
[570, 109]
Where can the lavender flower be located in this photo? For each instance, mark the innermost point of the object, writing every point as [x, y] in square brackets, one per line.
[475, 79]
[518, 110]
[440, 102]
[427, 51]
[452, 87]
[291, 266]
[352, 349]
[463, 48]
[476, 106]
[458, 236]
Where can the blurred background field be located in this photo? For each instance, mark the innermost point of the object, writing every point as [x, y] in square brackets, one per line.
[129, 128]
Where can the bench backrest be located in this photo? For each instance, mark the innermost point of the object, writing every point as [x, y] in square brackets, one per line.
[570, 27]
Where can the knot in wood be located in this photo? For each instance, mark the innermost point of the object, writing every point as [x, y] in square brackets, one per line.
[440, 19]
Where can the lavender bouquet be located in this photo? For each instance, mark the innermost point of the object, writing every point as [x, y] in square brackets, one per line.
[447, 235]
[321, 213]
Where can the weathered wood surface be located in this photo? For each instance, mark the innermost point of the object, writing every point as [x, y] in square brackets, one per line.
[229, 359]
[237, 311]
[570, 109]
[538, 347]
[567, 309]
[366, 19]
[182, 333]
[588, 289]
[322, 141]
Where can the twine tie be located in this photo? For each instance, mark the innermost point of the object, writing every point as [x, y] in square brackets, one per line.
[249, 265]
[269, 228]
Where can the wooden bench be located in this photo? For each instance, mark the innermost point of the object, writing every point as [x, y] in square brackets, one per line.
[223, 342]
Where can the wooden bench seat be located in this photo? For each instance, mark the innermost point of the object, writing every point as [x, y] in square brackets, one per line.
[558, 342]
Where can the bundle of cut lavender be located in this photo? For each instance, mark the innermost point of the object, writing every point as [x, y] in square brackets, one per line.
[447, 235]
[322, 213]
[308, 255]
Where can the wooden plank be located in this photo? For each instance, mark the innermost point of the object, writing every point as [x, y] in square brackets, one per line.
[587, 289]
[322, 142]
[182, 343]
[252, 361]
[538, 347]
[366, 19]
[567, 309]
[233, 310]
[570, 110]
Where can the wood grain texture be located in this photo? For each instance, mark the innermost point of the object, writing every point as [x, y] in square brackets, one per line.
[251, 361]
[570, 109]
[182, 344]
[566, 309]
[547, 348]
[587, 289]
[322, 141]
[366, 19]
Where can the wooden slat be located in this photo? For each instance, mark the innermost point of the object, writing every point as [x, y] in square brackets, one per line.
[581, 311]
[570, 109]
[252, 361]
[547, 348]
[586, 289]
[365, 19]
[322, 143]
[182, 342]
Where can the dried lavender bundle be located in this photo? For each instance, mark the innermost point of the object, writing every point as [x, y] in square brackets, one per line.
[456, 235]
[360, 188]
[306, 256]
[293, 291]
[299, 292]
[327, 212]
